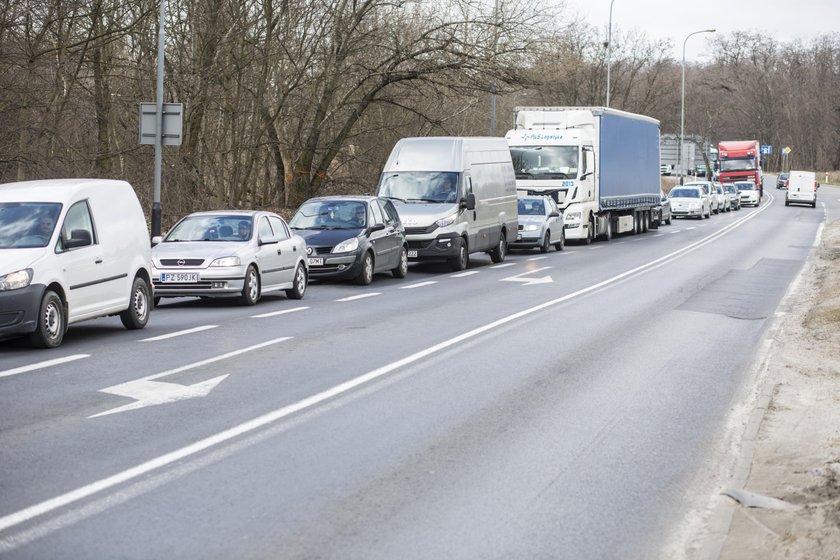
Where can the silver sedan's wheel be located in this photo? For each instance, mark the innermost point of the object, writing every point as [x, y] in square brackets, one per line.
[251, 289]
[298, 284]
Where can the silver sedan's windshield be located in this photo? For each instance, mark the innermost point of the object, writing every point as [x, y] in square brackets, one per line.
[211, 227]
[27, 224]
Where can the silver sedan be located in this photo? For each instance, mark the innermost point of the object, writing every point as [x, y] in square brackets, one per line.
[229, 253]
[540, 224]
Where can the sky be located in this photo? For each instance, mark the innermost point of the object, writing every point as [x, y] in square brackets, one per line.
[786, 20]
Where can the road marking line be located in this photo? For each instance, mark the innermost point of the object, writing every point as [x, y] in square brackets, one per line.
[360, 296]
[596, 247]
[42, 365]
[179, 333]
[676, 231]
[690, 228]
[537, 258]
[467, 273]
[47, 506]
[275, 313]
[503, 265]
[659, 235]
[418, 285]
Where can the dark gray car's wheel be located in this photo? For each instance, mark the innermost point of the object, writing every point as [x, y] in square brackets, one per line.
[365, 277]
[499, 253]
[402, 266]
[546, 245]
[51, 322]
[251, 290]
[562, 243]
[137, 314]
[462, 261]
[298, 284]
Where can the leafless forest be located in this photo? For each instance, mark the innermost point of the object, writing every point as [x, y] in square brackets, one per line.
[286, 99]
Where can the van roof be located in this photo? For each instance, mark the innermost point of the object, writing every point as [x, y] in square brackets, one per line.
[446, 153]
[53, 190]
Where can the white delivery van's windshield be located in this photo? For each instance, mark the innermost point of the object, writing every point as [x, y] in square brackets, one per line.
[25, 225]
[545, 162]
[420, 186]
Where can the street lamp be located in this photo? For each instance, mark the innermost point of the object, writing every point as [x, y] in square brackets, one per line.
[682, 107]
[609, 45]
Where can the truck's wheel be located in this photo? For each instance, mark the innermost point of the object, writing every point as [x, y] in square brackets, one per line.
[499, 253]
[608, 232]
[590, 233]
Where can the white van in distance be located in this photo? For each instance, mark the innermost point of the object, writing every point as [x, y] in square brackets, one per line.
[801, 188]
[70, 250]
[454, 195]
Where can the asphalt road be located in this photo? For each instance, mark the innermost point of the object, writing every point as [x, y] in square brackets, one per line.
[554, 406]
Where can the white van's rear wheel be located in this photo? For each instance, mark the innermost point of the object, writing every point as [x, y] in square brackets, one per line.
[137, 314]
[51, 323]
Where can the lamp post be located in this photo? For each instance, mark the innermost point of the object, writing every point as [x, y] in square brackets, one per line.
[609, 46]
[682, 107]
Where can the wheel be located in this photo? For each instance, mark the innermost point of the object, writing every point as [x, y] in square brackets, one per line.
[499, 253]
[608, 233]
[645, 221]
[562, 243]
[365, 277]
[787, 203]
[668, 221]
[462, 261]
[546, 245]
[137, 314]
[590, 233]
[402, 266]
[251, 289]
[51, 323]
[298, 284]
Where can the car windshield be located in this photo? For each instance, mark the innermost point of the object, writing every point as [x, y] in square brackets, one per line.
[684, 193]
[211, 227]
[420, 186]
[731, 189]
[745, 186]
[330, 214]
[704, 186]
[26, 225]
[545, 162]
[531, 207]
[740, 164]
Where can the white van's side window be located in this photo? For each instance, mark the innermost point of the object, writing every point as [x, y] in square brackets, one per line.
[77, 230]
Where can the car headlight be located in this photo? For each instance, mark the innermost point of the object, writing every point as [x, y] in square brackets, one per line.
[346, 246]
[531, 227]
[694, 206]
[447, 220]
[226, 261]
[16, 280]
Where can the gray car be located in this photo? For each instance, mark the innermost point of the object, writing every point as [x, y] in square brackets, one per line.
[229, 253]
[540, 224]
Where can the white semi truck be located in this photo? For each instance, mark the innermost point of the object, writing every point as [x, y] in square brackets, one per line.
[600, 165]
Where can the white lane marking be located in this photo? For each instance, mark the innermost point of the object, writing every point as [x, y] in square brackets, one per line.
[619, 242]
[595, 247]
[659, 235]
[47, 506]
[467, 273]
[676, 231]
[690, 228]
[152, 393]
[179, 333]
[42, 365]
[530, 281]
[275, 313]
[418, 285]
[360, 296]
[537, 258]
[503, 265]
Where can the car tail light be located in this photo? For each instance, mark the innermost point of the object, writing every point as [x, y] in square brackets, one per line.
[787, 183]
[815, 186]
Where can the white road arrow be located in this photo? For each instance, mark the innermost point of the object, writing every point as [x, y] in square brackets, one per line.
[150, 393]
[530, 281]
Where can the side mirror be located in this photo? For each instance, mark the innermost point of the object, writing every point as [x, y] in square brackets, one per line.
[554, 215]
[157, 239]
[375, 227]
[585, 175]
[469, 202]
[78, 238]
[268, 240]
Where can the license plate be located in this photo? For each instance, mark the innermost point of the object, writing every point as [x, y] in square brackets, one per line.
[412, 254]
[178, 277]
[316, 261]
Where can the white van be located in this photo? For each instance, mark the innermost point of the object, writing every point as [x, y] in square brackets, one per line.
[70, 250]
[801, 188]
[455, 196]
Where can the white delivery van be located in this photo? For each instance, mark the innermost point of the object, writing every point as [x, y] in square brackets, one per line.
[70, 250]
[801, 188]
[455, 196]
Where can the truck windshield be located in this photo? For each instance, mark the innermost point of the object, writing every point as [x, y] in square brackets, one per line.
[420, 186]
[545, 162]
[740, 164]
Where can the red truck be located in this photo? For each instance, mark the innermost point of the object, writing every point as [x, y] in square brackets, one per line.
[740, 160]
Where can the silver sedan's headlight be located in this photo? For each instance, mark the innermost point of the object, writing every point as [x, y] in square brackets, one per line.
[346, 246]
[16, 280]
[226, 261]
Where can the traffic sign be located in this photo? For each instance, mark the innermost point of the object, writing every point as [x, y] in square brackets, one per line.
[767, 149]
[173, 123]
[786, 151]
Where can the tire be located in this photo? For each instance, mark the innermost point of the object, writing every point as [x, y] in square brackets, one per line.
[51, 324]
[608, 233]
[402, 268]
[365, 277]
[668, 221]
[546, 245]
[499, 253]
[299, 282]
[137, 314]
[562, 243]
[787, 203]
[462, 261]
[590, 234]
[251, 290]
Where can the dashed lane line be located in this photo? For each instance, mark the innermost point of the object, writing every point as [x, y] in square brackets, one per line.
[42, 365]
